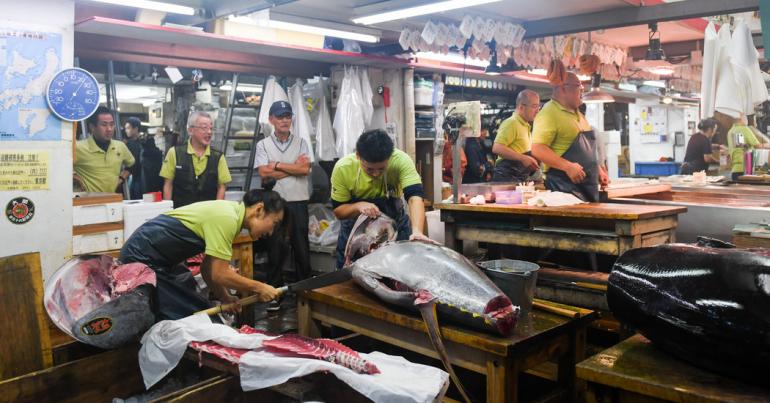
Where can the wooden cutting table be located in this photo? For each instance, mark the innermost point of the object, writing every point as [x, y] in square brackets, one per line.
[547, 336]
[637, 371]
[606, 228]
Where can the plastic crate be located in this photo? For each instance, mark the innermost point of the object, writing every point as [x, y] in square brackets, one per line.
[657, 168]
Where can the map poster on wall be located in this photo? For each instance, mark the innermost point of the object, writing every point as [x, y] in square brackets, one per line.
[28, 60]
[23, 170]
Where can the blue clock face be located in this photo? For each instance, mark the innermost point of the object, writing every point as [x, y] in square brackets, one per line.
[73, 94]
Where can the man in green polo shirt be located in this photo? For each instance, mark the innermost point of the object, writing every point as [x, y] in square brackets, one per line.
[194, 171]
[371, 182]
[740, 139]
[100, 161]
[564, 141]
[513, 143]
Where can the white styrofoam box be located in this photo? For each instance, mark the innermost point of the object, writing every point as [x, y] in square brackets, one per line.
[97, 242]
[435, 226]
[138, 212]
[423, 96]
[97, 213]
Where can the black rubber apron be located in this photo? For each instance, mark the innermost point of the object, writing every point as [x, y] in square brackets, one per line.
[582, 151]
[514, 171]
[163, 243]
[389, 205]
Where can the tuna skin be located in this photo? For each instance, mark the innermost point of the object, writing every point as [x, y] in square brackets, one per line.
[709, 306]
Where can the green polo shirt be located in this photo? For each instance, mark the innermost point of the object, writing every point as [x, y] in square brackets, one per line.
[217, 222]
[98, 169]
[349, 181]
[516, 134]
[557, 127]
[736, 153]
[199, 164]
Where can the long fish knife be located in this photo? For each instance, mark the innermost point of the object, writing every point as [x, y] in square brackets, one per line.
[337, 276]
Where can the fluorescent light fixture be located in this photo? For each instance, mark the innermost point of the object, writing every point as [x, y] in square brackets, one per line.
[152, 5]
[309, 26]
[538, 72]
[627, 87]
[654, 83]
[583, 77]
[451, 58]
[323, 31]
[667, 100]
[424, 9]
[661, 71]
[242, 87]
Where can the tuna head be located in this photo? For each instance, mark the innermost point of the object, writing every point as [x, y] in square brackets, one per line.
[413, 273]
[367, 235]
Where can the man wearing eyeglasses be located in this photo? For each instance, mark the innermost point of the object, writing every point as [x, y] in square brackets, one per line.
[99, 159]
[565, 142]
[194, 171]
[372, 181]
[284, 157]
[513, 143]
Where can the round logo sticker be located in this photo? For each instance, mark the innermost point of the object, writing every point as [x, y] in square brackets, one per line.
[20, 210]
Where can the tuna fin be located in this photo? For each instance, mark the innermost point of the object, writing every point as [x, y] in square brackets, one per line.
[428, 312]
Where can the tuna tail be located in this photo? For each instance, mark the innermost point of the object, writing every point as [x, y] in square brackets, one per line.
[428, 312]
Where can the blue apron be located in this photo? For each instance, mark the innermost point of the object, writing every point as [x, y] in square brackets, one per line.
[583, 152]
[389, 205]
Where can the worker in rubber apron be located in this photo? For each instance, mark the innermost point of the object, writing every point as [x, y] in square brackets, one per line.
[513, 143]
[210, 227]
[563, 140]
[372, 182]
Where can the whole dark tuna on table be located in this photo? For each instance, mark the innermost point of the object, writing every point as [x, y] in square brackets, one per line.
[708, 304]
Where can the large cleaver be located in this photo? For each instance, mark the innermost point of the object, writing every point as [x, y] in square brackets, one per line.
[312, 283]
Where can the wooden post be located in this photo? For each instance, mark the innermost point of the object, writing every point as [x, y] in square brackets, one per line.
[26, 343]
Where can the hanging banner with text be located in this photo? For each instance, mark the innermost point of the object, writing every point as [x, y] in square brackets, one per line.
[23, 170]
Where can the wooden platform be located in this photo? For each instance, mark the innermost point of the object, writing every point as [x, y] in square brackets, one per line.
[549, 336]
[636, 371]
[606, 228]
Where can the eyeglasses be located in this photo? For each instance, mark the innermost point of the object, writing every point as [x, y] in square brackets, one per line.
[204, 128]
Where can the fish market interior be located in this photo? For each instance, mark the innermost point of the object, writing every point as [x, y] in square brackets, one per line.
[385, 201]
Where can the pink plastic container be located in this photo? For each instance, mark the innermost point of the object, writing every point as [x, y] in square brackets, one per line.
[508, 197]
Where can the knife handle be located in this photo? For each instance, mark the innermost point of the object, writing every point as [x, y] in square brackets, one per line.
[243, 301]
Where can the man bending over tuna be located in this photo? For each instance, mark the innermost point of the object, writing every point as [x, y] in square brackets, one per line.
[372, 182]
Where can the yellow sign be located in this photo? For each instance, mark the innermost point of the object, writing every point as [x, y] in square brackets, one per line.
[23, 170]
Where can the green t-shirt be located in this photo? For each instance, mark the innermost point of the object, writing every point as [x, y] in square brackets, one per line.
[199, 165]
[217, 222]
[100, 169]
[516, 134]
[350, 182]
[557, 127]
[736, 153]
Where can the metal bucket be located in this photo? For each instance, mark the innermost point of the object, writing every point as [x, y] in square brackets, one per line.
[515, 278]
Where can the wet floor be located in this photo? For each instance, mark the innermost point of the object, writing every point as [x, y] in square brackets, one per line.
[283, 320]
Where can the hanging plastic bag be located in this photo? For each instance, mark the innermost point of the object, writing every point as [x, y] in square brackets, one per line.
[301, 125]
[272, 92]
[324, 140]
[366, 96]
[323, 226]
[349, 117]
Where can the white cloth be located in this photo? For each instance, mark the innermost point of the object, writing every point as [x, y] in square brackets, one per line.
[301, 124]
[349, 118]
[708, 76]
[554, 199]
[739, 81]
[399, 381]
[325, 146]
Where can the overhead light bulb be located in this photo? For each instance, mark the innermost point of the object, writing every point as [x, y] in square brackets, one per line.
[415, 11]
[152, 5]
[667, 100]
[300, 24]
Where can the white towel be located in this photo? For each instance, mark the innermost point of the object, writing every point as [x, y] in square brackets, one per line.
[399, 381]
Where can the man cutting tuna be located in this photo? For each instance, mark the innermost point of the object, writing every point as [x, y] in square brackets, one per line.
[210, 227]
[371, 182]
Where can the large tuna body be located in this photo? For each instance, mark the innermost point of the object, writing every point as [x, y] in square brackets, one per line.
[411, 273]
[707, 305]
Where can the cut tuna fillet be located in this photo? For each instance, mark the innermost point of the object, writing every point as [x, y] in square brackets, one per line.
[325, 349]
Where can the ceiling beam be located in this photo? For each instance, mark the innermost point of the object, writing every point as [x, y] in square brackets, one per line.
[683, 48]
[628, 16]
